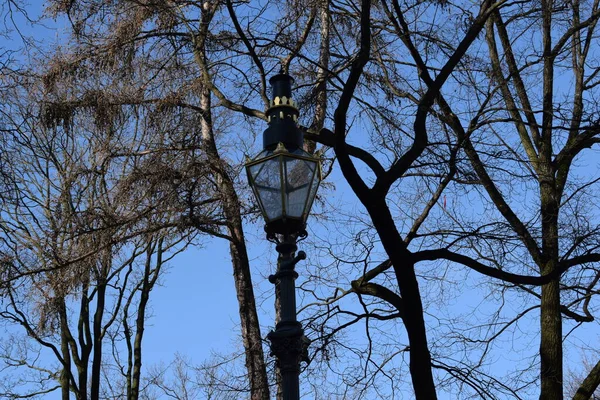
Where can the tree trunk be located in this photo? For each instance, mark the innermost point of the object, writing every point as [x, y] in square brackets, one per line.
[255, 359]
[66, 356]
[97, 349]
[551, 343]
[83, 327]
[250, 328]
[147, 286]
[414, 322]
[105, 261]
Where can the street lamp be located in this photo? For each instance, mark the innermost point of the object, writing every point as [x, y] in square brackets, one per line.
[284, 179]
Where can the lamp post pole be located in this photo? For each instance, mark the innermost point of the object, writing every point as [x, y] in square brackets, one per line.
[288, 343]
[284, 179]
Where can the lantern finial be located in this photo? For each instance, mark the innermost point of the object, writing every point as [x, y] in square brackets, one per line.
[280, 148]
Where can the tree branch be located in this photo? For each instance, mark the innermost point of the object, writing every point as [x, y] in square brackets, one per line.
[475, 265]
[341, 150]
[589, 384]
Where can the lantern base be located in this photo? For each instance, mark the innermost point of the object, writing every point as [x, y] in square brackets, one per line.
[286, 227]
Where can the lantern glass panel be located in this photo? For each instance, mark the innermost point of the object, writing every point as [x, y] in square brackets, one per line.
[298, 177]
[285, 184]
[267, 186]
[314, 185]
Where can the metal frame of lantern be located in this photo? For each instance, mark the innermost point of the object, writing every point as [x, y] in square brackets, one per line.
[282, 147]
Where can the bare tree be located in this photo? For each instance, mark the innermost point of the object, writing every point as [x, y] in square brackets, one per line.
[91, 217]
[185, 102]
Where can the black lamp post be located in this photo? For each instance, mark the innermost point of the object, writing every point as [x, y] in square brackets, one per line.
[285, 179]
